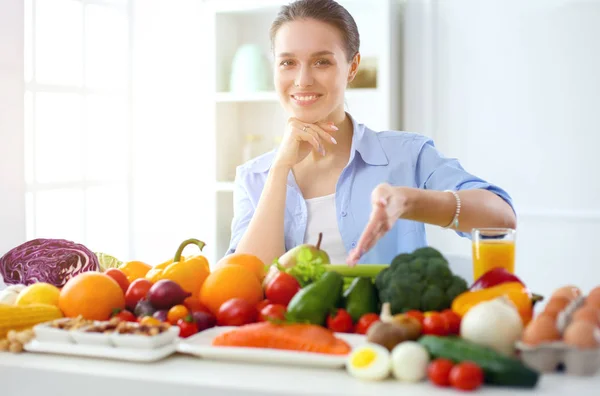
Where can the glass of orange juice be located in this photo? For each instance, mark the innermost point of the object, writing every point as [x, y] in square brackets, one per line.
[492, 248]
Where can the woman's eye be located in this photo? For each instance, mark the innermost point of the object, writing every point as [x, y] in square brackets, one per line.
[287, 63]
[322, 62]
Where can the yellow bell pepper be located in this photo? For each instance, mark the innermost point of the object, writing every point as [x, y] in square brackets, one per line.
[188, 273]
[154, 274]
[514, 291]
[135, 270]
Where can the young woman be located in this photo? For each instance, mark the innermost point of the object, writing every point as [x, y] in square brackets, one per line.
[368, 192]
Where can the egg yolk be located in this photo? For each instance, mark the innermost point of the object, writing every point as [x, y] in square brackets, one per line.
[363, 358]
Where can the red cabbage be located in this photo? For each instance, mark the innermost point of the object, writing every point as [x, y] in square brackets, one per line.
[53, 261]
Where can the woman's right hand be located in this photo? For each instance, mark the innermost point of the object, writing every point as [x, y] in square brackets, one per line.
[300, 138]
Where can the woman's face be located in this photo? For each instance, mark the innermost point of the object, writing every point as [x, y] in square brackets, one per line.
[311, 70]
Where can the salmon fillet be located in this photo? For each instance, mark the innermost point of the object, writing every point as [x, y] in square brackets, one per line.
[293, 337]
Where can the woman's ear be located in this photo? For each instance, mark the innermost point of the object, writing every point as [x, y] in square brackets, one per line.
[354, 67]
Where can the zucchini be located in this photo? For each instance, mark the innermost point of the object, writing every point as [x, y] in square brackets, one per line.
[498, 369]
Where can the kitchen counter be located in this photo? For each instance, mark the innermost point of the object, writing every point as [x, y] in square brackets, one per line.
[179, 375]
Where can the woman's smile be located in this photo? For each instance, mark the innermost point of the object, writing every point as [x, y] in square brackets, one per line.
[305, 99]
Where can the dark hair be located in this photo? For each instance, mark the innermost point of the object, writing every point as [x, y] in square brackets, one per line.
[327, 11]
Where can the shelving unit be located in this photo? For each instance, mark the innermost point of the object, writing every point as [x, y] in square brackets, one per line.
[256, 116]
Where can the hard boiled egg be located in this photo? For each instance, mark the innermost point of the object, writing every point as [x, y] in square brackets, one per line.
[369, 362]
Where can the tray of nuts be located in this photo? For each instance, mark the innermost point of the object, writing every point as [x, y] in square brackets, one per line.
[112, 339]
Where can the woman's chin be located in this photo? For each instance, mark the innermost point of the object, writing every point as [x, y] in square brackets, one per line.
[310, 116]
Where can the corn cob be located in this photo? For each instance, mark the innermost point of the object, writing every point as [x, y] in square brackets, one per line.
[21, 317]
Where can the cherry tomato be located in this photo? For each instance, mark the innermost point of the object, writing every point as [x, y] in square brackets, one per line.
[453, 321]
[341, 322]
[149, 321]
[124, 315]
[416, 314]
[435, 324]
[187, 327]
[272, 312]
[177, 312]
[438, 371]
[365, 322]
[262, 304]
[136, 291]
[236, 312]
[282, 288]
[120, 277]
[466, 376]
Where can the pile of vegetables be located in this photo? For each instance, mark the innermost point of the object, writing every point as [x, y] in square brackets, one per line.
[52, 261]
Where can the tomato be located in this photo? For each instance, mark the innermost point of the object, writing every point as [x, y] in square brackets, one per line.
[466, 376]
[120, 277]
[341, 322]
[124, 315]
[453, 321]
[365, 322]
[193, 304]
[149, 321]
[177, 312]
[272, 312]
[282, 288]
[187, 327]
[262, 304]
[416, 314]
[435, 324]
[236, 312]
[136, 291]
[438, 371]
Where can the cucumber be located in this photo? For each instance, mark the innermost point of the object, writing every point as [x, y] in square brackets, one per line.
[498, 369]
[361, 298]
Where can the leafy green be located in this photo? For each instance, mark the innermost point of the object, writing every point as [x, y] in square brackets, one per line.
[308, 269]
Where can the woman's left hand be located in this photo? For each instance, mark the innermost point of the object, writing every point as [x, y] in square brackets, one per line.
[388, 205]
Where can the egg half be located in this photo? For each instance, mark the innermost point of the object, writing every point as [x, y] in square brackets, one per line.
[371, 362]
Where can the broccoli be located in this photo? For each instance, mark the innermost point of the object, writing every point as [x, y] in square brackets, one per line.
[421, 280]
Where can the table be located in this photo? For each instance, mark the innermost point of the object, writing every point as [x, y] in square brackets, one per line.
[182, 375]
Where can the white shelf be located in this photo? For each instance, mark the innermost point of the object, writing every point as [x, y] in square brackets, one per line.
[225, 186]
[271, 96]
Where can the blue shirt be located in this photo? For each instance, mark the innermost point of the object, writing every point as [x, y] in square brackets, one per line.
[398, 158]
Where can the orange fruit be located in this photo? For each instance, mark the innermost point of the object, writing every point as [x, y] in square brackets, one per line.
[92, 295]
[227, 282]
[248, 261]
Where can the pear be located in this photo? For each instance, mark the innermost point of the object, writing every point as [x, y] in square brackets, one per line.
[305, 253]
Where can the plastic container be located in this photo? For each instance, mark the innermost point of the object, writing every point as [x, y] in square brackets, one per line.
[549, 357]
[45, 332]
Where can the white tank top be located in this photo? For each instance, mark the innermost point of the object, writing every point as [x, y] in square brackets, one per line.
[322, 218]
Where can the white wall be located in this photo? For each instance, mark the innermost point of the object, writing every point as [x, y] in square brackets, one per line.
[12, 175]
[512, 88]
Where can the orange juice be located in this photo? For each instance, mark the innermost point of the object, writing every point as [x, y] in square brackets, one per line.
[491, 254]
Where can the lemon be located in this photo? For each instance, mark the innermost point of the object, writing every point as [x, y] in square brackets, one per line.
[107, 261]
[39, 293]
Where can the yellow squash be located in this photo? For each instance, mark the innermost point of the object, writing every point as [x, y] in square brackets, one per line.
[188, 273]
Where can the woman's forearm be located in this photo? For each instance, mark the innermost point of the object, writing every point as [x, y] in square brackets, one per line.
[479, 208]
[264, 236]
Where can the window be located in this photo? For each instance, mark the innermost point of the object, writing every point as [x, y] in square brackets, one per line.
[77, 122]
[116, 125]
